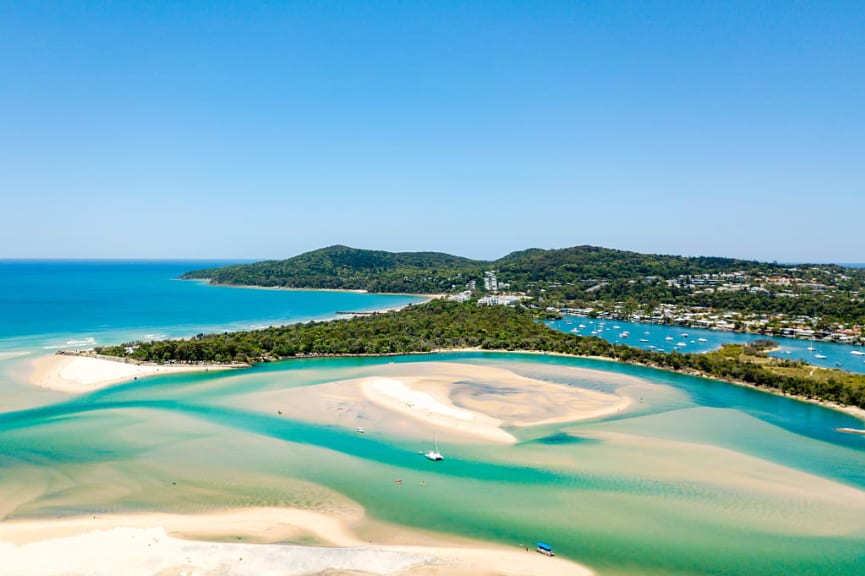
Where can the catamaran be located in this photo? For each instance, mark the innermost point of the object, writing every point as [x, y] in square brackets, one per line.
[434, 455]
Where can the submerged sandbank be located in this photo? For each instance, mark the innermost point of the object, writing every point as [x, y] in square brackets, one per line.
[150, 544]
[461, 402]
[78, 374]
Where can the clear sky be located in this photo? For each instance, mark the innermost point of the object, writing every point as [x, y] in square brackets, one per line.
[262, 130]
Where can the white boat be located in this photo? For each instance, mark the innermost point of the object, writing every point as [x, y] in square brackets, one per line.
[811, 348]
[359, 430]
[820, 356]
[582, 326]
[644, 340]
[701, 340]
[668, 338]
[680, 344]
[434, 455]
[857, 353]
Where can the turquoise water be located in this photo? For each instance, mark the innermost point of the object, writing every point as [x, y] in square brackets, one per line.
[697, 340]
[47, 305]
[696, 477]
[611, 505]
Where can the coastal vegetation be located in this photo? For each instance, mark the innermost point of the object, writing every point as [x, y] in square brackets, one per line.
[344, 268]
[615, 281]
[442, 325]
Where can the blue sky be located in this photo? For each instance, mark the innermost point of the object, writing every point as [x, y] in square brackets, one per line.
[262, 130]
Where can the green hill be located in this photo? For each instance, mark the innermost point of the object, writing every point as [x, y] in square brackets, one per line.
[581, 276]
[341, 267]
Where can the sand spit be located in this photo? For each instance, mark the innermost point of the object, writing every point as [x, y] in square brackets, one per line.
[79, 374]
[154, 544]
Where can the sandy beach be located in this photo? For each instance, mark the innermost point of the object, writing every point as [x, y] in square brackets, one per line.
[75, 374]
[458, 402]
[243, 542]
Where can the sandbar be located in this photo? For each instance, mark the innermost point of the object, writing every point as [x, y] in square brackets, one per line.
[77, 374]
[460, 402]
[151, 544]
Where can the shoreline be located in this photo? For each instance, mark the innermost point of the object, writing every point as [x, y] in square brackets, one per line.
[710, 329]
[73, 372]
[209, 282]
[854, 411]
[255, 541]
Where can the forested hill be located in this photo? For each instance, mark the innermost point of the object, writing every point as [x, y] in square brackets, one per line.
[424, 272]
[591, 262]
[611, 281]
[353, 269]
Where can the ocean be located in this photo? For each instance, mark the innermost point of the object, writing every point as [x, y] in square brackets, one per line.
[695, 477]
[74, 304]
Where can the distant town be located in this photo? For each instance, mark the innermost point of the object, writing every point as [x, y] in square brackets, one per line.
[799, 282]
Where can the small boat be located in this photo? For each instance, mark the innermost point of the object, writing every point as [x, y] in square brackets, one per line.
[857, 353]
[434, 455]
[668, 338]
[644, 340]
[685, 335]
[545, 549]
[701, 340]
[359, 430]
[574, 330]
[581, 326]
[811, 348]
[680, 344]
[820, 356]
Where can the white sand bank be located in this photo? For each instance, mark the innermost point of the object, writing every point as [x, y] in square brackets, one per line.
[148, 544]
[80, 374]
[459, 402]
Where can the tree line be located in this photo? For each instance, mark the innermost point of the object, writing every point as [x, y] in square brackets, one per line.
[440, 325]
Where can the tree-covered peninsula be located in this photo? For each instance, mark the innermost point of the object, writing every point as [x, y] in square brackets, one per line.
[780, 298]
[442, 325]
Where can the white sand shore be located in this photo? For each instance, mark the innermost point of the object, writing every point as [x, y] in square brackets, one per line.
[153, 544]
[80, 374]
[431, 404]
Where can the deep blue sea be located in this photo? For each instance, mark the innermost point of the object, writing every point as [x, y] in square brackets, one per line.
[48, 305]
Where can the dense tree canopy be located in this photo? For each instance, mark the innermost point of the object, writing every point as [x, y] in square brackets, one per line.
[441, 325]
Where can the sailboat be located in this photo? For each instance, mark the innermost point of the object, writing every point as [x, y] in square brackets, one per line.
[434, 455]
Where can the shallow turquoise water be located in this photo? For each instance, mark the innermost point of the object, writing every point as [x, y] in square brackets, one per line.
[608, 505]
[695, 478]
